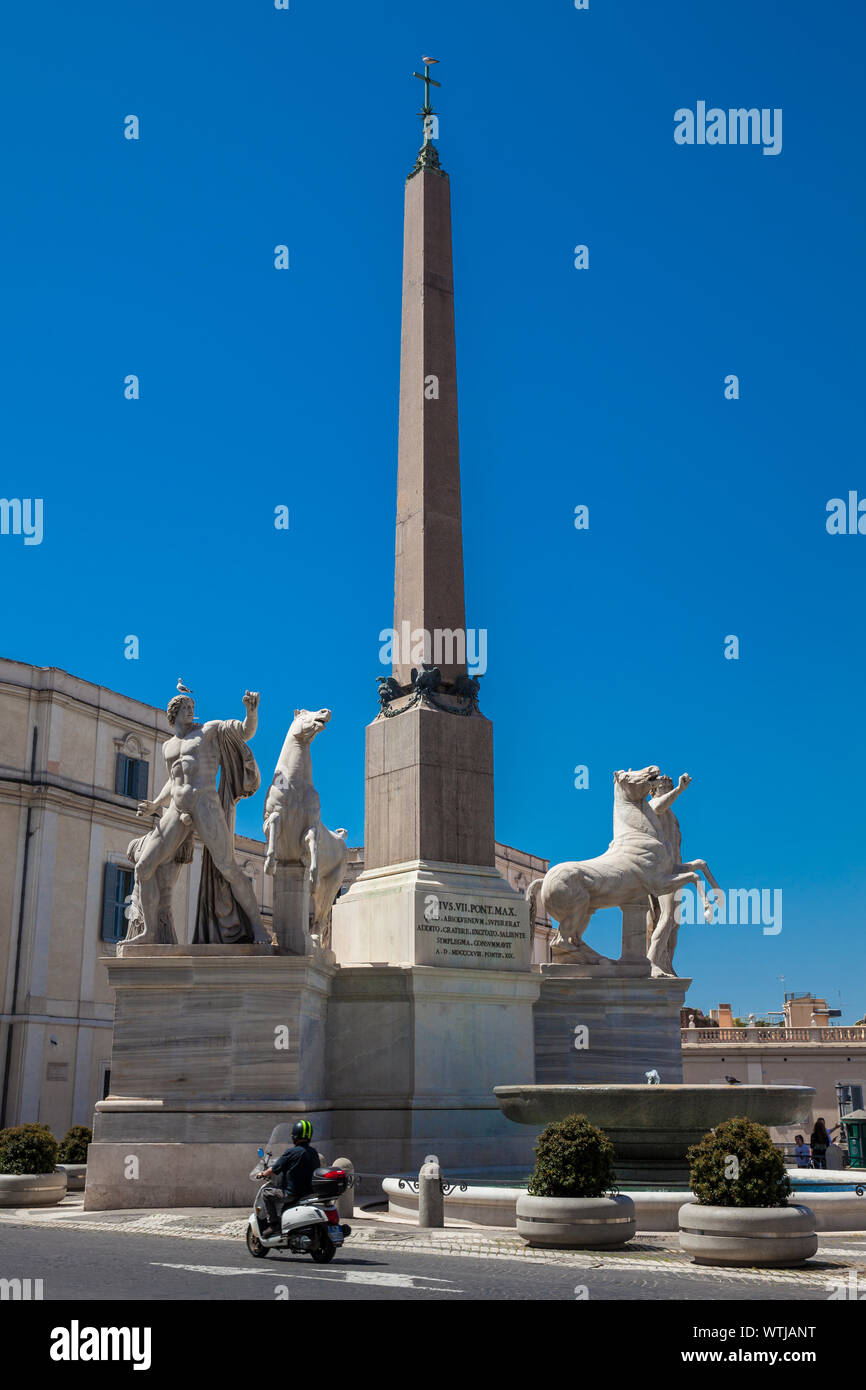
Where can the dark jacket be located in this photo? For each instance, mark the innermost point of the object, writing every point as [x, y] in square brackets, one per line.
[294, 1170]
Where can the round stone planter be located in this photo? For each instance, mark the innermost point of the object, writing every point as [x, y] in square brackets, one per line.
[32, 1189]
[75, 1175]
[747, 1235]
[576, 1222]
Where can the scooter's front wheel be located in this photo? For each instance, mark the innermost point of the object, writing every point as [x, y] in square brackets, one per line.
[324, 1253]
[254, 1245]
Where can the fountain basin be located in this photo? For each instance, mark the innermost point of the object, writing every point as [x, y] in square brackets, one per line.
[842, 1208]
[651, 1127]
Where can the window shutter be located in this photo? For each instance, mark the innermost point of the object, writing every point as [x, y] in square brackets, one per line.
[120, 775]
[109, 902]
[141, 771]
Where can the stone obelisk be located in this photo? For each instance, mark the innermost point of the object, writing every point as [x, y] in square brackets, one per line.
[429, 836]
[433, 1000]
[428, 573]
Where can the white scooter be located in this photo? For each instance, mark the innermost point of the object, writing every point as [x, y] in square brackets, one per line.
[311, 1226]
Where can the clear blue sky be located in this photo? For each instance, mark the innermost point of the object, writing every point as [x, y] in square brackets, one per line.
[603, 387]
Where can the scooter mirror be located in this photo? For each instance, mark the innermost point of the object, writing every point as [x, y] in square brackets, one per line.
[260, 1152]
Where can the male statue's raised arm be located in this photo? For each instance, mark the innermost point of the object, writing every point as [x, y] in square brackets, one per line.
[250, 724]
[242, 728]
[666, 800]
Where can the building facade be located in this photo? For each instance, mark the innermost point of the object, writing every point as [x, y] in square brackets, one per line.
[802, 1050]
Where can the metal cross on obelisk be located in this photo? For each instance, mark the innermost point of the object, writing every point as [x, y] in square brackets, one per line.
[428, 83]
[428, 155]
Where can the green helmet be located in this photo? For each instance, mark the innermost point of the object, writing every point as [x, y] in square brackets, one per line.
[302, 1132]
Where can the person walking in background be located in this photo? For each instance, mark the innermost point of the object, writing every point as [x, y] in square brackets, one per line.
[802, 1152]
[820, 1141]
[835, 1156]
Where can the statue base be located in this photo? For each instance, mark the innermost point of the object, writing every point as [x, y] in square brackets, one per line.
[213, 1047]
[610, 1030]
[214, 1052]
[129, 950]
[586, 964]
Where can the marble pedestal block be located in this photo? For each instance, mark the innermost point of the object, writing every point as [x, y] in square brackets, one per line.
[429, 788]
[633, 958]
[212, 1048]
[426, 913]
[292, 909]
[632, 1027]
[413, 1055]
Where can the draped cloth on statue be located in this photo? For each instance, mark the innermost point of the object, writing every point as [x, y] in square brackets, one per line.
[219, 917]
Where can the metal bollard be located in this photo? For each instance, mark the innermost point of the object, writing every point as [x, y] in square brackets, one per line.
[431, 1200]
[346, 1200]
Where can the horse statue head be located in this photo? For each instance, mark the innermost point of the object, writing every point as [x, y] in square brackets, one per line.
[635, 786]
[307, 723]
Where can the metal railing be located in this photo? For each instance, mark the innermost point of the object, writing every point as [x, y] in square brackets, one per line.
[774, 1035]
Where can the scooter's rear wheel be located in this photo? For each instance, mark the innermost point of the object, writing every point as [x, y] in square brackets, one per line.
[254, 1245]
[324, 1253]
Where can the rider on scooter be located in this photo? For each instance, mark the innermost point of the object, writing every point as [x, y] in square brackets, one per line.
[294, 1176]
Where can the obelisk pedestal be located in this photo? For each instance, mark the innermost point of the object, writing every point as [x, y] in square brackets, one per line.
[429, 788]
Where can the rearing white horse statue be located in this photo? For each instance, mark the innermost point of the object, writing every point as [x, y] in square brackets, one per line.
[293, 820]
[639, 861]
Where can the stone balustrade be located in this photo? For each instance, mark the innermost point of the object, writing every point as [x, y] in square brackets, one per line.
[774, 1035]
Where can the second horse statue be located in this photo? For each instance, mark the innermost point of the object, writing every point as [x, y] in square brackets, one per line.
[639, 866]
[293, 823]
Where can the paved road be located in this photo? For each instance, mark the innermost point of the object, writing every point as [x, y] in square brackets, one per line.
[80, 1265]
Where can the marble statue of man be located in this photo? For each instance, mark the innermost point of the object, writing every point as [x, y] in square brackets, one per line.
[191, 804]
[662, 924]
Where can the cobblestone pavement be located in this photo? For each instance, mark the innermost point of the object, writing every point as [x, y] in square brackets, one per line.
[837, 1253]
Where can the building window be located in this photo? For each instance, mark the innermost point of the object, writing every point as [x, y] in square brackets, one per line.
[130, 777]
[850, 1098]
[117, 888]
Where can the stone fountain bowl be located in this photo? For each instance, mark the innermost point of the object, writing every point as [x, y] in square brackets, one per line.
[651, 1124]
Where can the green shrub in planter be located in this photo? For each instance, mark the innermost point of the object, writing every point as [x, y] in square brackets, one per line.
[738, 1165]
[27, 1149]
[73, 1145]
[572, 1159]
